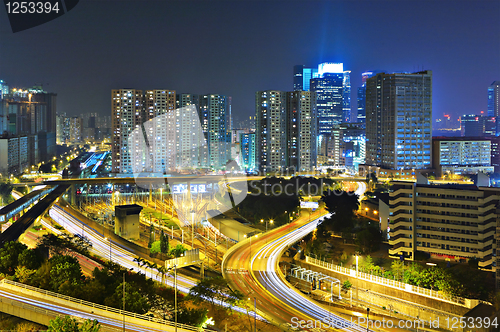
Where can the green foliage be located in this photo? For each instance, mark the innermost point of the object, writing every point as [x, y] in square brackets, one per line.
[61, 244]
[9, 256]
[178, 250]
[342, 205]
[23, 274]
[5, 192]
[369, 240]
[164, 245]
[151, 235]
[195, 317]
[214, 290]
[65, 270]
[30, 258]
[155, 247]
[69, 324]
[346, 286]
[134, 300]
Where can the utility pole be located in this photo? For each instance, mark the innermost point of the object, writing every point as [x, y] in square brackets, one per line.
[255, 313]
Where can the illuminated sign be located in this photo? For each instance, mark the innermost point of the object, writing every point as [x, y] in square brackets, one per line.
[330, 67]
[309, 205]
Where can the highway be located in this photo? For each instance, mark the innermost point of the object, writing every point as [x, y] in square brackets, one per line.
[252, 268]
[116, 252]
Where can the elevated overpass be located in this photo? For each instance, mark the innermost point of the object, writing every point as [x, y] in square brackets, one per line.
[41, 306]
[20, 226]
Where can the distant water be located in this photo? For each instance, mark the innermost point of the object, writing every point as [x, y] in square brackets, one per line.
[449, 133]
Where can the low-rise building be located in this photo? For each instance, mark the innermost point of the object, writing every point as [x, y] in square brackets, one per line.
[461, 155]
[455, 222]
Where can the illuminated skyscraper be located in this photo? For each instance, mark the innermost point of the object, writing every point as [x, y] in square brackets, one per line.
[271, 124]
[346, 96]
[302, 130]
[126, 115]
[215, 121]
[361, 116]
[329, 90]
[302, 77]
[494, 99]
[398, 120]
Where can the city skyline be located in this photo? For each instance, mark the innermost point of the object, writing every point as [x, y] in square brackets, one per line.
[453, 44]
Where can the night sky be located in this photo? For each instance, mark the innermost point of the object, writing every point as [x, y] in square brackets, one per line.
[239, 47]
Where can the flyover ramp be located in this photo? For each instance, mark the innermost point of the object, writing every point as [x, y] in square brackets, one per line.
[41, 306]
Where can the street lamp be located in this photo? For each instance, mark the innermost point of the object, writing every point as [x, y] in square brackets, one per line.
[106, 239]
[254, 313]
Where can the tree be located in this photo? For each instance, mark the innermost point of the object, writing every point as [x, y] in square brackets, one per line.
[9, 256]
[346, 286]
[23, 274]
[65, 269]
[5, 192]
[164, 245]
[342, 205]
[214, 291]
[69, 324]
[134, 301]
[31, 259]
[178, 250]
[368, 240]
[151, 235]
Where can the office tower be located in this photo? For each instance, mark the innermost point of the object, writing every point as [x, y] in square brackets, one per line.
[126, 115]
[75, 130]
[4, 89]
[347, 146]
[302, 130]
[329, 91]
[271, 124]
[302, 77]
[443, 221]
[248, 151]
[398, 120]
[192, 148]
[461, 155]
[361, 96]
[215, 122]
[494, 99]
[346, 96]
[478, 126]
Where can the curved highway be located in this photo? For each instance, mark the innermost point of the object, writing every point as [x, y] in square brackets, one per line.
[251, 267]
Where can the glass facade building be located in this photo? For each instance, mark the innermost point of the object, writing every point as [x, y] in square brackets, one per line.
[494, 99]
[398, 120]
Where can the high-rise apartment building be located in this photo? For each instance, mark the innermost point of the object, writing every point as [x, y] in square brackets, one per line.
[494, 99]
[302, 130]
[271, 124]
[398, 120]
[75, 130]
[286, 135]
[444, 221]
[192, 148]
[248, 151]
[126, 115]
[216, 122]
[25, 112]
